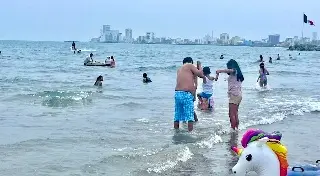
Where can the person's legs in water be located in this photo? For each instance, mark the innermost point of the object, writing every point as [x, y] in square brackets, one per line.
[177, 112]
[232, 115]
[195, 117]
[237, 118]
[188, 109]
[265, 82]
[234, 102]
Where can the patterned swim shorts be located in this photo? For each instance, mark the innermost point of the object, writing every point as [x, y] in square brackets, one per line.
[184, 107]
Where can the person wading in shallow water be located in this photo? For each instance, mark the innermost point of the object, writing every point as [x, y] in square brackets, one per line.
[184, 93]
[234, 90]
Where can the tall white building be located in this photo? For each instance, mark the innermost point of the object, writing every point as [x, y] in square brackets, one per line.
[314, 36]
[108, 35]
[224, 37]
[149, 37]
[128, 35]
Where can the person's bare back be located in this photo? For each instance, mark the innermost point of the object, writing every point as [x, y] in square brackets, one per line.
[186, 78]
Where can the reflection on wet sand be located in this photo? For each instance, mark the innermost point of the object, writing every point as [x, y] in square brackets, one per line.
[233, 141]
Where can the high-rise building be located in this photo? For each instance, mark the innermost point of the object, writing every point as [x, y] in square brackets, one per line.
[106, 28]
[314, 36]
[274, 39]
[128, 35]
[149, 37]
[224, 37]
[108, 35]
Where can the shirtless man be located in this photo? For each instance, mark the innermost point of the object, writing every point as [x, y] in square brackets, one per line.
[184, 93]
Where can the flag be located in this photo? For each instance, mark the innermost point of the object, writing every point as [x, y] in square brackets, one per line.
[311, 23]
[305, 20]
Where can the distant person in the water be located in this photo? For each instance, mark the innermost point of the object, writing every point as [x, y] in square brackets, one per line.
[91, 57]
[99, 81]
[108, 61]
[290, 56]
[299, 54]
[184, 93]
[221, 57]
[263, 72]
[73, 46]
[146, 79]
[270, 59]
[261, 58]
[113, 62]
[278, 58]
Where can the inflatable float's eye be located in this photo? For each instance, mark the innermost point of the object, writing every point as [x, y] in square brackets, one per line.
[249, 157]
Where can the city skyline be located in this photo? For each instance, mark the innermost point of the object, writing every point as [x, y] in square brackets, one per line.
[109, 35]
[70, 20]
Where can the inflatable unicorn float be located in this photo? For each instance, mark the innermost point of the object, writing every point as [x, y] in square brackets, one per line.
[264, 154]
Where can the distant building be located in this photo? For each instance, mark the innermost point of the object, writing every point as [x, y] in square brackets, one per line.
[149, 37]
[289, 42]
[274, 39]
[108, 35]
[236, 40]
[95, 40]
[128, 36]
[224, 38]
[314, 36]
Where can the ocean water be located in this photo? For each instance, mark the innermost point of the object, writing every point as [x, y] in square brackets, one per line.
[53, 121]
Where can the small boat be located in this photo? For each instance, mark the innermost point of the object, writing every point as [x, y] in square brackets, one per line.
[95, 63]
[89, 62]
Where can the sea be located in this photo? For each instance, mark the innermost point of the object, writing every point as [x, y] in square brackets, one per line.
[54, 122]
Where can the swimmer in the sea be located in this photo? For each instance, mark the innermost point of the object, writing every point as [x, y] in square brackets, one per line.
[278, 58]
[99, 81]
[270, 59]
[146, 79]
[263, 72]
[261, 58]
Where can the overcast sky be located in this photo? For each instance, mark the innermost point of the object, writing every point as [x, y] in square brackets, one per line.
[58, 20]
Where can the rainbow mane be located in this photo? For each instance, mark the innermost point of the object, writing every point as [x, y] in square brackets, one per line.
[273, 142]
[255, 134]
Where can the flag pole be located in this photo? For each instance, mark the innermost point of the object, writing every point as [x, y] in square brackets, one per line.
[302, 28]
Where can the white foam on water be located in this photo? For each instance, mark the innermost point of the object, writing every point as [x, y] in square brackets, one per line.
[143, 120]
[209, 143]
[183, 156]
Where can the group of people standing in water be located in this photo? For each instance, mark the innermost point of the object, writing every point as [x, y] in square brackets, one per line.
[186, 86]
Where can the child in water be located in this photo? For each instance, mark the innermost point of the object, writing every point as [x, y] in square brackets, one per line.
[234, 90]
[99, 81]
[207, 89]
[263, 72]
[146, 79]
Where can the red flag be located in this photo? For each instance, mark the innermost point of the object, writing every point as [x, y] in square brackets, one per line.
[311, 23]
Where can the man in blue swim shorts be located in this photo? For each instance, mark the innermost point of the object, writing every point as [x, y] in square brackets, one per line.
[184, 107]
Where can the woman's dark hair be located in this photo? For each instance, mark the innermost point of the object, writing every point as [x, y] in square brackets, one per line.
[262, 66]
[144, 75]
[99, 78]
[232, 64]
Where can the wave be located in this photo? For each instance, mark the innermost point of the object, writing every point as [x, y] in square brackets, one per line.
[169, 68]
[64, 98]
[183, 156]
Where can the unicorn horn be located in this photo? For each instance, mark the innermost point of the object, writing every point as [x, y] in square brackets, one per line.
[237, 150]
